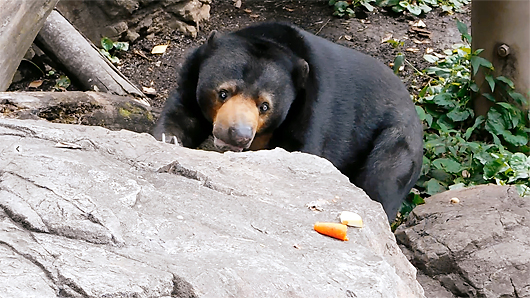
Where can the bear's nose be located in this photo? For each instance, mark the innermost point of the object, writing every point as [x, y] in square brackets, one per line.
[241, 135]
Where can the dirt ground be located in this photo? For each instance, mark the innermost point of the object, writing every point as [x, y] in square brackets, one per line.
[364, 33]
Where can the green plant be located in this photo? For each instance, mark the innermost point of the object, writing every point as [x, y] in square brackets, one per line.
[346, 8]
[400, 57]
[62, 83]
[461, 149]
[109, 49]
[415, 7]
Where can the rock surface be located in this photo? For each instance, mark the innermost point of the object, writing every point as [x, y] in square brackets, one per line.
[88, 212]
[75, 107]
[479, 247]
[131, 18]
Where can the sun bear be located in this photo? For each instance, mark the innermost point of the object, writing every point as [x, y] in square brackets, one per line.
[275, 85]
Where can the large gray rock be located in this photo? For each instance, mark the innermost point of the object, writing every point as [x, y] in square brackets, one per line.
[88, 212]
[479, 247]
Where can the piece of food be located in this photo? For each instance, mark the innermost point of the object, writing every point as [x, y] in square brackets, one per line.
[455, 200]
[159, 49]
[351, 219]
[335, 230]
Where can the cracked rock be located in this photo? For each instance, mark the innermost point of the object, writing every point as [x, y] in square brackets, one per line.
[479, 247]
[118, 214]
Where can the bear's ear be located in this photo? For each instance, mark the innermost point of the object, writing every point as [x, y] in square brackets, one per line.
[300, 73]
[212, 38]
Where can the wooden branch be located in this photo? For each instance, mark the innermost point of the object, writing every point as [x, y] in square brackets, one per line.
[77, 107]
[20, 21]
[81, 59]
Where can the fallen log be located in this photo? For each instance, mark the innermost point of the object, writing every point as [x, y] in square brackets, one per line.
[76, 107]
[20, 21]
[81, 59]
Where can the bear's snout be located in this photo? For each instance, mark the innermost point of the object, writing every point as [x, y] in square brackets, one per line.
[241, 135]
[236, 137]
[235, 123]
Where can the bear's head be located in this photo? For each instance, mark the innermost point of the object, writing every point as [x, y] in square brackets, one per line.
[245, 88]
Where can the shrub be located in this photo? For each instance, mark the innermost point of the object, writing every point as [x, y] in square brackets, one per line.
[461, 149]
[415, 7]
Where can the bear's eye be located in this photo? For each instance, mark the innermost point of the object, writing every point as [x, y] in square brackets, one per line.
[264, 107]
[223, 95]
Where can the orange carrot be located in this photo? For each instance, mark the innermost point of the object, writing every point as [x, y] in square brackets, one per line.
[335, 230]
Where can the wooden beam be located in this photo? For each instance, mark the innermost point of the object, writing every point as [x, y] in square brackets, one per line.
[82, 60]
[20, 21]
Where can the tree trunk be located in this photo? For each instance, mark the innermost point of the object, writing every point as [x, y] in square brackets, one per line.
[20, 21]
[81, 59]
[502, 29]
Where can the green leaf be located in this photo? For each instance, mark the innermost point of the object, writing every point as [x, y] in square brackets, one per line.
[392, 2]
[418, 200]
[506, 81]
[425, 8]
[421, 112]
[104, 53]
[458, 114]
[444, 99]
[62, 82]
[479, 120]
[492, 168]
[520, 163]
[462, 28]
[491, 82]
[448, 165]
[121, 46]
[106, 43]
[430, 58]
[474, 87]
[477, 62]
[398, 61]
[523, 190]
[434, 187]
[429, 119]
[423, 91]
[489, 97]
[511, 114]
[447, 8]
[114, 59]
[414, 9]
[457, 186]
[495, 122]
[368, 6]
[341, 5]
[397, 8]
[518, 97]
[517, 140]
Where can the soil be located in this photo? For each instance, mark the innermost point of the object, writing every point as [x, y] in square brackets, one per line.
[364, 33]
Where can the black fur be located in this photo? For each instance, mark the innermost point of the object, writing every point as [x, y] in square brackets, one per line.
[346, 107]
